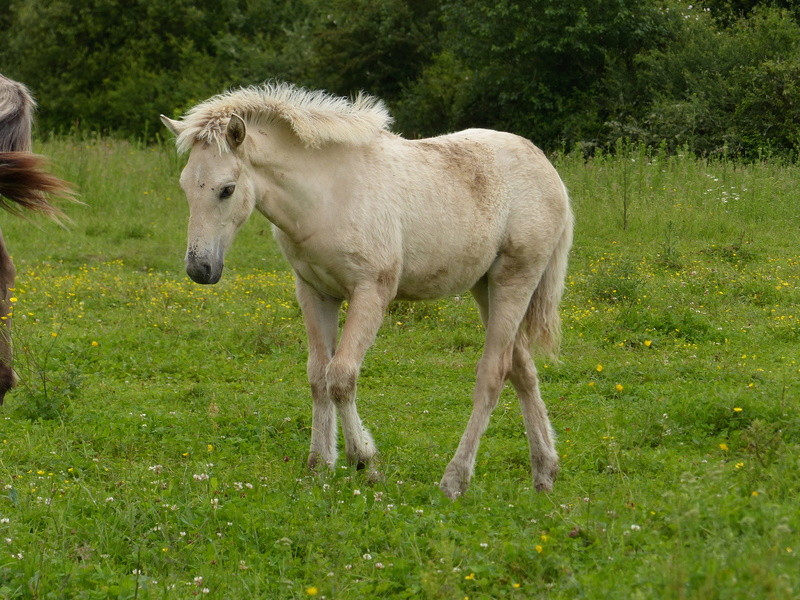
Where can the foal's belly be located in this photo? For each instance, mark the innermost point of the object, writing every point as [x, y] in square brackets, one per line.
[447, 259]
[445, 279]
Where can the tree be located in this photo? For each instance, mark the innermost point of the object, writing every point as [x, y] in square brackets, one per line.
[379, 46]
[536, 67]
[114, 65]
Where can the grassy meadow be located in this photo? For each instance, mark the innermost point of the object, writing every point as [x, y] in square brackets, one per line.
[156, 445]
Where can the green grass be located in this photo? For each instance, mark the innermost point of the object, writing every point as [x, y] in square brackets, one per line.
[156, 445]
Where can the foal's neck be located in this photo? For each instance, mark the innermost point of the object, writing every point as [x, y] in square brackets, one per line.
[293, 183]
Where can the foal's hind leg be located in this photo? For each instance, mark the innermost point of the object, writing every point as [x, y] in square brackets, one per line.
[503, 298]
[544, 458]
[321, 316]
[7, 273]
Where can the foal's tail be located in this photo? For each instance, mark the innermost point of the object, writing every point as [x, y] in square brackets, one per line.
[25, 184]
[542, 323]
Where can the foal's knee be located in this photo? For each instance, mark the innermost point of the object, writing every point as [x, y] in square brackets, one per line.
[341, 378]
[316, 379]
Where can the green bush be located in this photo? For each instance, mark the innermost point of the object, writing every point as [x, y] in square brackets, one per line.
[719, 90]
[719, 80]
[112, 67]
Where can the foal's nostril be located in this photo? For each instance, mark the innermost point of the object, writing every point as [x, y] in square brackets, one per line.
[198, 270]
[203, 270]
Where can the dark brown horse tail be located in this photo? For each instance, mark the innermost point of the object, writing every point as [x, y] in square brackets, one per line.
[25, 184]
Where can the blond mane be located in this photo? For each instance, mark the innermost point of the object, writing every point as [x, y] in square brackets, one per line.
[316, 117]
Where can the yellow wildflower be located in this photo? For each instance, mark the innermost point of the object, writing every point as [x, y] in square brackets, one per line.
[723, 446]
[737, 409]
[312, 591]
[619, 387]
[539, 548]
[470, 577]
[599, 368]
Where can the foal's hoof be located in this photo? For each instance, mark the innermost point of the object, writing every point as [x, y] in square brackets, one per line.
[543, 480]
[455, 481]
[317, 463]
[369, 470]
[372, 475]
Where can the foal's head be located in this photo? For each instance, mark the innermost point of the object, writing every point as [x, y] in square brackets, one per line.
[217, 185]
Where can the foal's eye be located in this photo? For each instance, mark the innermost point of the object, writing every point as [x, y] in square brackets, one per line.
[227, 192]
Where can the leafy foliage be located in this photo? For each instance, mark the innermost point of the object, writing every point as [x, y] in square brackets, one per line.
[730, 91]
[538, 67]
[716, 77]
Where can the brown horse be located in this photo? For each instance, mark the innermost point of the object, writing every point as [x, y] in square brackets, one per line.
[24, 185]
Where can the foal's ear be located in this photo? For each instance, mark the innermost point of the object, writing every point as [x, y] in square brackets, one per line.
[174, 126]
[236, 131]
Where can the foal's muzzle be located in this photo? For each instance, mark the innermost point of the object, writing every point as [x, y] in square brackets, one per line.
[203, 269]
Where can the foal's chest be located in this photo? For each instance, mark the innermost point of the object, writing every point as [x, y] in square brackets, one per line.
[315, 268]
[320, 279]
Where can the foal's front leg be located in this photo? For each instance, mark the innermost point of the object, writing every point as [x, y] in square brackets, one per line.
[364, 318]
[321, 316]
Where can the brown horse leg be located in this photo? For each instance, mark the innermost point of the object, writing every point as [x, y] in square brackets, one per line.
[7, 273]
